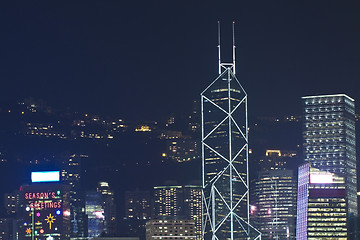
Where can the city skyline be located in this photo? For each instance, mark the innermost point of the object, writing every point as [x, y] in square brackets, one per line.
[109, 94]
[104, 58]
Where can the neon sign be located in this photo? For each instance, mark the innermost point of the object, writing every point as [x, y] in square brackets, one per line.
[40, 195]
[50, 219]
[45, 205]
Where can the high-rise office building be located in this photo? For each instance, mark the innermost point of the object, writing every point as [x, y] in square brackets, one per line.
[109, 207]
[71, 174]
[274, 209]
[179, 203]
[192, 206]
[168, 201]
[137, 205]
[322, 208]
[225, 157]
[329, 143]
[95, 213]
[137, 212]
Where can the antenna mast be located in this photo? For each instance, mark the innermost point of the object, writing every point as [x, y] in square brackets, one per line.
[233, 32]
[219, 47]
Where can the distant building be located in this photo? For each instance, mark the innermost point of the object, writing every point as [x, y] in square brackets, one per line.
[116, 238]
[330, 144]
[137, 205]
[276, 159]
[179, 203]
[170, 229]
[137, 212]
[72, 175]
[322, 206]
[194, 118]
[192, 206]
[6, 228]
[109, 207]
[12, 203]
[168, 201]
[95, 214]
[183, 149]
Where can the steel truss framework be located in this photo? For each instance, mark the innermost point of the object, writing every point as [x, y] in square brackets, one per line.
[225, 158]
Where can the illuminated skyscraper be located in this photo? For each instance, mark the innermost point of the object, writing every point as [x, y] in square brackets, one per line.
[274, 198]
[108, 203]
[225, 157]
[329, 143]
[321, 209]
[95, 213]
[71, 174]
[192, 206]
[275, 204]
[168, 201]
[180, 203]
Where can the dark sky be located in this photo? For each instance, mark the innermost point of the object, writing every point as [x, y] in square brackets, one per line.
[141, 59]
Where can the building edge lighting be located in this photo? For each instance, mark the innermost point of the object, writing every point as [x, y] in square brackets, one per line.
[225, 170]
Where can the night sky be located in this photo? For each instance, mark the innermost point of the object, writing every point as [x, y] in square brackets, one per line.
[143, 59]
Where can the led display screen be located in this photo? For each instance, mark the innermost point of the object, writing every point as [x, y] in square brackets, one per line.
[48, 176]
[322, 178]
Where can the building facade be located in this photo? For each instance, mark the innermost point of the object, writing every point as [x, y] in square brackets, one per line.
[71, 175]
[322, 206]
[168, 201]
[274, 209]
[46, 212]
[108, 204]
[95, 213]
[137, 205]
[329, 144]
[179, 203]
[170, 229]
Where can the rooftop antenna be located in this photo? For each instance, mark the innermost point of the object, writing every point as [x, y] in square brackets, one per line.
[233, 29]
[219, 47]
[227, 65]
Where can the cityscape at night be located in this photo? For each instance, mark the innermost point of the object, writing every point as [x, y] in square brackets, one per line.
[198, 120]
